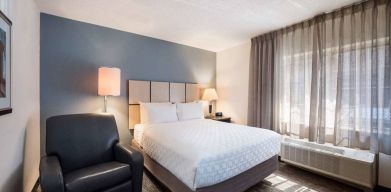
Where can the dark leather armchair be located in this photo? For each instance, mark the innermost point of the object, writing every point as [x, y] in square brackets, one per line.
[83, 154]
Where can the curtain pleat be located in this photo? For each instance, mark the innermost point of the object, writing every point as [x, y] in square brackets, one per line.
[261, 91]
[327, 79]
[385, 139]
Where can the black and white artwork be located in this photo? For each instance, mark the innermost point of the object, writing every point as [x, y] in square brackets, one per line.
[5, 65]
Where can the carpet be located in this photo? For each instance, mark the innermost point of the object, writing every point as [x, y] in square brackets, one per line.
[287, 178]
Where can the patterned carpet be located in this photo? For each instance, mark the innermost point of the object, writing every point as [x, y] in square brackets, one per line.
[287, 178]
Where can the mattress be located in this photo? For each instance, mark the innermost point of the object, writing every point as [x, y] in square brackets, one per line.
[204, 152]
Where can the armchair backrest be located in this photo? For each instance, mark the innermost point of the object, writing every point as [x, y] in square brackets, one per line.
[81, 140]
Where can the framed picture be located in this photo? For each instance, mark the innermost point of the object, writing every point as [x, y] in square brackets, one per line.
[5, 65]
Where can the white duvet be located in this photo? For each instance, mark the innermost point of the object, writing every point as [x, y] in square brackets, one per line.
[204, 152]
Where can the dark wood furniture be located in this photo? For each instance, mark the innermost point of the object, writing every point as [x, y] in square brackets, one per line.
[220, 118]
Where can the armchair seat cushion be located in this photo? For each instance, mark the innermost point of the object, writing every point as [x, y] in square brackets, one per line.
[97, 177]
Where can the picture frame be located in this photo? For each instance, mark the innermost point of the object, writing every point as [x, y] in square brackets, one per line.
[5, 64]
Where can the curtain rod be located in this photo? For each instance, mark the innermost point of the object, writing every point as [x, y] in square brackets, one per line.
[327, 12]
[346, 6]
[333, 10]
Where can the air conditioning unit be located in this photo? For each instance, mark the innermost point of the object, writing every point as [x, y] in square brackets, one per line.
[355, 166]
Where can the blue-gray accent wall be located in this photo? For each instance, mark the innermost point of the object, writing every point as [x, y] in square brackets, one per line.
[72, 51]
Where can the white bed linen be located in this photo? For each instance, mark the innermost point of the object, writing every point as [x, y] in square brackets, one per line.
[205, 152]
[152, 113]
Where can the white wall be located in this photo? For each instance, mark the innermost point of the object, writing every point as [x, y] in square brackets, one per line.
[19, 131]
[232, 77]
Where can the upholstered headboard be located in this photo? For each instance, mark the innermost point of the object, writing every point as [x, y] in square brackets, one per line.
[155, 91]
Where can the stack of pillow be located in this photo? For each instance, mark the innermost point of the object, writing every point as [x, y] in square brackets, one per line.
[152, 113]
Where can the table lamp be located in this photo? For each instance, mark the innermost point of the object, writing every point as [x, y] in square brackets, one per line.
[210, 95]
[109, 83]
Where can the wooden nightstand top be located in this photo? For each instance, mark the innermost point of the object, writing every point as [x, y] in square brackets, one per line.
[221, 118]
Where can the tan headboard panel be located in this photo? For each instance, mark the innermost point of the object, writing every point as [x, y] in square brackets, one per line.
[160, 91]
[154, 91]
[192, 92]
[178, 92]
[139, 91]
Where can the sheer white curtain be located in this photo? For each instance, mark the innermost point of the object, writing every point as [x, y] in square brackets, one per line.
[332, 78]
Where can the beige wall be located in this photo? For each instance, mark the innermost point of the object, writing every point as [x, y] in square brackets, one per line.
[232, 76]
[19, 131]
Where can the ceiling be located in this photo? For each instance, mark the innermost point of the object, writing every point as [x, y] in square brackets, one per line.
[213, 25]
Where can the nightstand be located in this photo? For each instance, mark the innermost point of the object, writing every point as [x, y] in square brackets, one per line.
[222, 118]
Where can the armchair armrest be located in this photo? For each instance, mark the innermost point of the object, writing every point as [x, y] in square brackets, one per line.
[50, 174]
[129, 155]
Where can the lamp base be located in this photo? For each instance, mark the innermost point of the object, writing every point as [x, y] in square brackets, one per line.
[105, 105]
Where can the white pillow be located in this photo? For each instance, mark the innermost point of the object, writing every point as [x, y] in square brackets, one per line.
[151, 113]
[187, 111]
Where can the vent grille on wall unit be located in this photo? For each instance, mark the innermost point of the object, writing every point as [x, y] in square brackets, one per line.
[311, 158]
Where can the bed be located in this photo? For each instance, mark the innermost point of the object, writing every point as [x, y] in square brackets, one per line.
[204, 155]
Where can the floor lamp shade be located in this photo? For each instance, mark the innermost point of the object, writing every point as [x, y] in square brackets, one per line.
[109, 82]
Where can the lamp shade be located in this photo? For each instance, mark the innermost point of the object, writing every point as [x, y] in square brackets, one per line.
[210, 94]
[109, 82]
